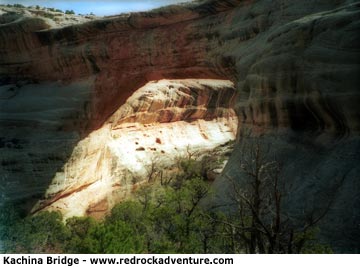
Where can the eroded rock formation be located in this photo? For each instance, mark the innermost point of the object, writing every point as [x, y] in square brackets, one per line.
[295, 68]
[160, 124]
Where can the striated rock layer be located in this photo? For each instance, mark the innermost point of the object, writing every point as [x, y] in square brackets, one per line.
[158, 125]
[295, 69]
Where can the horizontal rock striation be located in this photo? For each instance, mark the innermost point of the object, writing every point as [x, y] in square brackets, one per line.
[180, 100]
[279, 54]
[112, 161]
[294, 66]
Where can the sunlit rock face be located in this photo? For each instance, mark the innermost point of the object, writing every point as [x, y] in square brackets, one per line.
[159, 124]
[294, 66]
[167, 101]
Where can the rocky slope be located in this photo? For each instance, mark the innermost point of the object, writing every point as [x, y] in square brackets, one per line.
[295, 69]
[54, 18]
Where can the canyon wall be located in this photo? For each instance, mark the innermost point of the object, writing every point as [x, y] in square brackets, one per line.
[294, 67]
[149, 136]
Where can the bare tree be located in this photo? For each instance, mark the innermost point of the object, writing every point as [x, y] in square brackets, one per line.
[261, 223]
[153, 170]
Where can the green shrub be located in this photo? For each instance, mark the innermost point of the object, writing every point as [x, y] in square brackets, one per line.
[89, 236]
[18, 6]
[161, 218]
[42, 233]
[69, 12]
[49, 15]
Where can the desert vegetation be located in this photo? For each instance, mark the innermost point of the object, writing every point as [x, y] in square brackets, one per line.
[173, 216]
[55, 15]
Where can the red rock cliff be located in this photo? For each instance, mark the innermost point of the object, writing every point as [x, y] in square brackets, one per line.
[295, 69]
